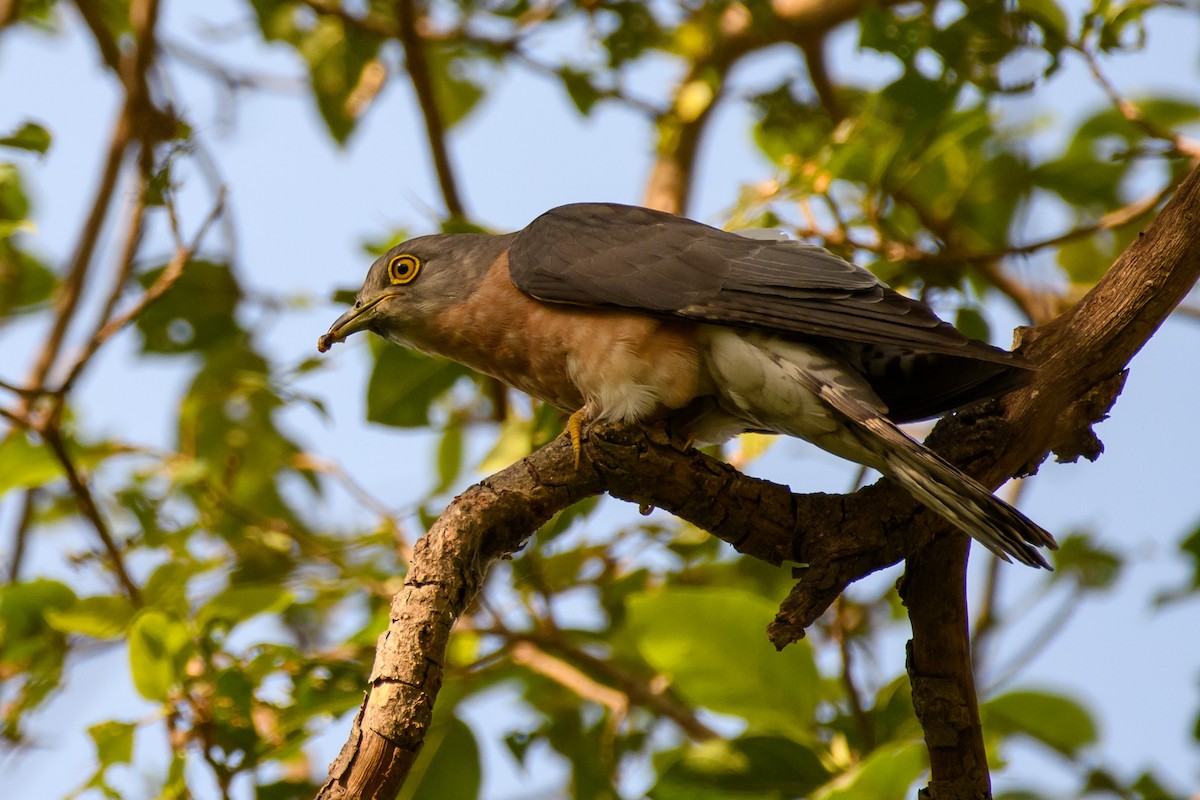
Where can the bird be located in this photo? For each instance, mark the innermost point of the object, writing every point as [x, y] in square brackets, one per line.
[618, 313]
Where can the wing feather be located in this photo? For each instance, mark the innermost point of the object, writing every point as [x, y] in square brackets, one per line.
[600, 254]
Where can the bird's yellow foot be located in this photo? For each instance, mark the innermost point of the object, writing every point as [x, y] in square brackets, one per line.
[575, 428]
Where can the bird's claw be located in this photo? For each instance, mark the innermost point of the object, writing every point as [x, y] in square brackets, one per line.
[575, 429]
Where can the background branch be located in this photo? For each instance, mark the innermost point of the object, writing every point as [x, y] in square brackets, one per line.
[422, 81]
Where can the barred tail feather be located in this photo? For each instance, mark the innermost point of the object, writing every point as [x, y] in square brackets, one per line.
[960, 498]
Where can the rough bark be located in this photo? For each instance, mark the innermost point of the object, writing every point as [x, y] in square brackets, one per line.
[1082, 354]
[939, 670]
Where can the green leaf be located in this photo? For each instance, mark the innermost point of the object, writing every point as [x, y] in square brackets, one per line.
[25, 281]
[405, 383]
[449, 456]
[23, 609]
[885, 774]
[156, 647]
[166, 588]
[239, 603]
[1048, 14]
[24, 465]
[580, 89]
[635, 31]
[1189, 550]
[754, 766]
[711, 643]
[336, 54]
[196, 314]
[1056, 721]
[100, 617]
[972, 323]
[514, 442]
[14, 204]
[1085, 260]
[114, 742]
[30, 136]
[454, 91]
[448, 766]
[1091, 566]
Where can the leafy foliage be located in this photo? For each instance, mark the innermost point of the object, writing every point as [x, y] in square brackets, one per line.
[629, 647]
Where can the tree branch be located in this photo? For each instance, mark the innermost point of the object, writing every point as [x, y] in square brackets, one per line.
[21, 534]
[934, 589]
[91, 512]
[841, 538]
[67, 298]
[636, 688]
[417, 66]
[109, 324]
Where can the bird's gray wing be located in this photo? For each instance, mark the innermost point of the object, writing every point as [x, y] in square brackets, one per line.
[599, 254]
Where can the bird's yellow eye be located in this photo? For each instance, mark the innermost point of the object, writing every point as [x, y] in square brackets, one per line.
[403, 268]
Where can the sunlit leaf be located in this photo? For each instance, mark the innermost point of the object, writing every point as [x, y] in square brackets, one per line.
[710, 642]
[885, 774]
[239, 603]
[113, 741]
[29, 136]
[449, 456]
[100, 617]
[512, 444]
[23, 610]
[24, 465]
[156, 645]
[336, 54]
[751, 766]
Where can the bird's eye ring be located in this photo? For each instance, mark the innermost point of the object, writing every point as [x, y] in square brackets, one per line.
[403, 268]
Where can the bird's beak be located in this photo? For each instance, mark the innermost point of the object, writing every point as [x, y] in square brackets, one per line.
[356, 319]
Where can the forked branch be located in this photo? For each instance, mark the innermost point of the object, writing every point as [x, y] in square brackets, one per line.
[842, 538]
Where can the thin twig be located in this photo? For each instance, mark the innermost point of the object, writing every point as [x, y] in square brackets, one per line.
[88, 508]
[164, 282]
[1133, 114]
[840, 629]
[20, 390]
[417, 66]
[1039, 641]
[93, 17]
[21, 533]
[650, 694]
[69, 292]
[232, 78]
[528, 654]
[818, 76]
[987, 621]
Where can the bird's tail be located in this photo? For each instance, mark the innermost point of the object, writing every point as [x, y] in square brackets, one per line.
[958, 497]
[787, 386]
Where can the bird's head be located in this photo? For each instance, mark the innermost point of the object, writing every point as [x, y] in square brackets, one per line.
[414, 283]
